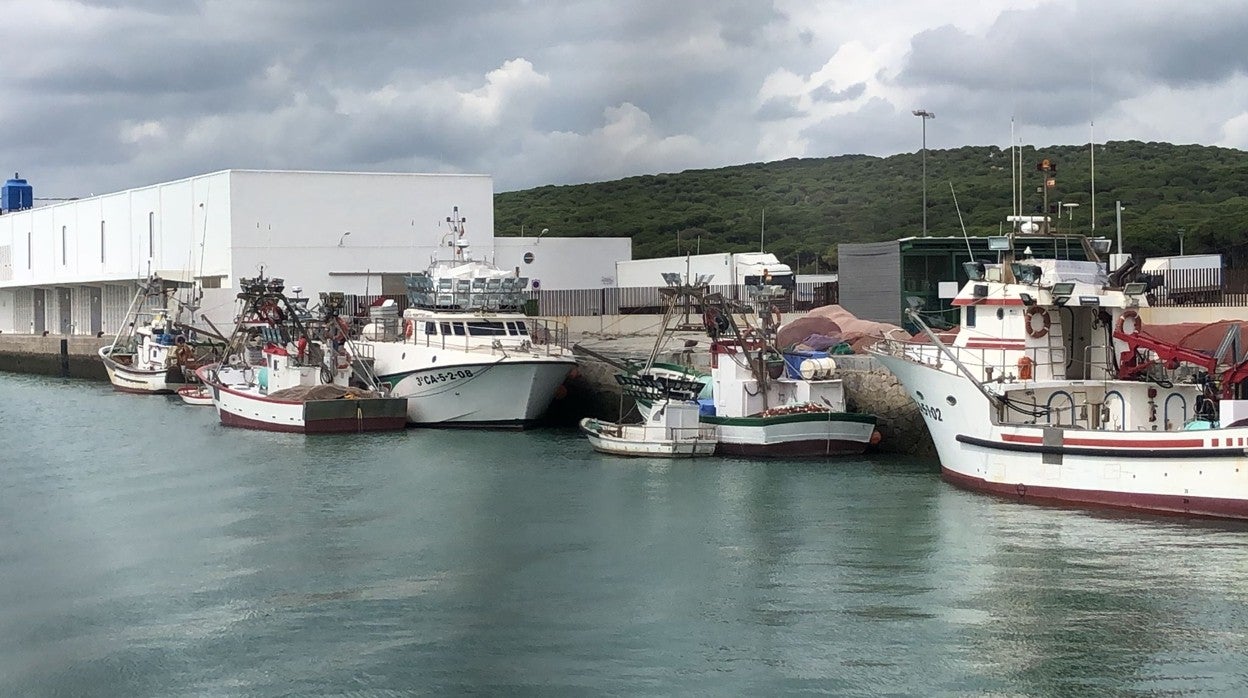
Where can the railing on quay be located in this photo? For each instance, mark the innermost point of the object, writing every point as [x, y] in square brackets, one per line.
[1198, 287]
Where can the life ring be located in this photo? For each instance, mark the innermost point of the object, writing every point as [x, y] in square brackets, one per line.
[270, 311]
[408, 328]
[1136, 323]
[1029, 318]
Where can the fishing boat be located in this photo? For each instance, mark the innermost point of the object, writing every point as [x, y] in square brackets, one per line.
[463, 353]
[665, 396]
[152, 352]
[286, 371]
[769, 402]
[671, 426]
[1054, 391]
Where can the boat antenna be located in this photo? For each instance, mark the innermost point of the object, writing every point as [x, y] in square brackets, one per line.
[1013, 173]
[762, 230]
[957, 208]
[1092, 156]
[1092, 140]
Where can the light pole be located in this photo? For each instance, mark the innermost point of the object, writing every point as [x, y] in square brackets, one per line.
[924, 115]
[1182, 232]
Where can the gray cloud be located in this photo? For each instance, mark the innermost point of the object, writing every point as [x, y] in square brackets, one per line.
[112, 94]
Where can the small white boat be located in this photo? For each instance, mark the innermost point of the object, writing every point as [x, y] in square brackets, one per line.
[200, 395]
[671, 428]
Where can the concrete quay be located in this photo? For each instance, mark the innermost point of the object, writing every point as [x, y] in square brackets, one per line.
[53, 355]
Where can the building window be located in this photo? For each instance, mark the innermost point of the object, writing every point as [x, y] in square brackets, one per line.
[151, 234]
[63, 238]
[30, 253]
[101, 242]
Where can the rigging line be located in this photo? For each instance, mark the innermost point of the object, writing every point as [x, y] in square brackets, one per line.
[969, 253]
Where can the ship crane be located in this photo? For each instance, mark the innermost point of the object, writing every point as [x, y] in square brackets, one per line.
[1134, 363]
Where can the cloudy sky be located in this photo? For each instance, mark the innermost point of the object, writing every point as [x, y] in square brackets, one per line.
[103, 95]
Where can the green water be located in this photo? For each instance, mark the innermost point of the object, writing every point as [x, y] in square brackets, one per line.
[145, 550]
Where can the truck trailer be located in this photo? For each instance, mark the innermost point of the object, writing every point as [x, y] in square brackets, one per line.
[722, 268]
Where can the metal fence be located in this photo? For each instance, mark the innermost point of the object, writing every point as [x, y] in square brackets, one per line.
[1197, 287]
[618, 301]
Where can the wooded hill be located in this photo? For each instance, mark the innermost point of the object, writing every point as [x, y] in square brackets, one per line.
[810, 205]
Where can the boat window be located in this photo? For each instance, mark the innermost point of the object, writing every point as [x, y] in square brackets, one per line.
[517, 328]
[970, 316]
[430, 327]
[459, 329]
[445, 327]
[486, 329]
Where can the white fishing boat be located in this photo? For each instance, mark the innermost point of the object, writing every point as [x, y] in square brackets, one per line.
[151, 352]
[285, 372]
[1054, 391]
[665, 397]
[463, 353]
[671, 426]
[768, 403]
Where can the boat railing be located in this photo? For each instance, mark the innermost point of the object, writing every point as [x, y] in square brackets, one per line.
[985, 364]
[702, 432]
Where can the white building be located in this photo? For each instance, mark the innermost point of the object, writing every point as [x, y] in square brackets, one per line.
[564, 263]
[71, 268]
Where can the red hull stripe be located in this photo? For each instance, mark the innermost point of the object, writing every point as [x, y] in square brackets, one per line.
[1133, 452]
[987, 301]
[972, 344]
[791, 449]
[1212, 507]
[1112, 443]
[322, 426]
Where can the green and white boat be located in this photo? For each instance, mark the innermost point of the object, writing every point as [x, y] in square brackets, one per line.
[771, 404]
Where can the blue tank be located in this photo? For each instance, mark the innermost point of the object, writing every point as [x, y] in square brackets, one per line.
[16, 195]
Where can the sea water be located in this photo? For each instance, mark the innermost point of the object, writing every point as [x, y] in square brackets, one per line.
[146, 550]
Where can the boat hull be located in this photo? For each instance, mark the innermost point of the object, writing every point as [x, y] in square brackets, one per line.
[641, 440]
[797, 435]
[509, 393]
[250, 410]
[1191, 473]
